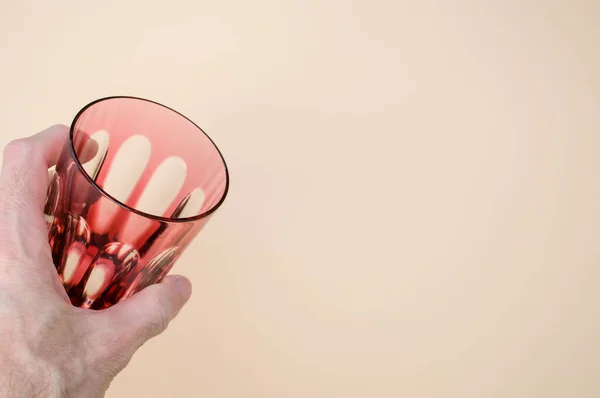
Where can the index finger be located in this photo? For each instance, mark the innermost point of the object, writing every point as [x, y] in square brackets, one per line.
[24, 177]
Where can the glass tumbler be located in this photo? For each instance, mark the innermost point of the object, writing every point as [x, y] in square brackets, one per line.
[133, 186]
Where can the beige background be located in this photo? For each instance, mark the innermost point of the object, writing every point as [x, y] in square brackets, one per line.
[415, 200]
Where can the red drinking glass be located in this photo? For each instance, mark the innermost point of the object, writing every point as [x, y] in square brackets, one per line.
[133, 186]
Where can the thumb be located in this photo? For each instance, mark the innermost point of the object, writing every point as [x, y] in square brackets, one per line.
[148, 313]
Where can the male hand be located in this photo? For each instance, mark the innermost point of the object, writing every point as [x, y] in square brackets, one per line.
[48, 348]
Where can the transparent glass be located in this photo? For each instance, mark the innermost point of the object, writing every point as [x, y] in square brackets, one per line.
[133, 186]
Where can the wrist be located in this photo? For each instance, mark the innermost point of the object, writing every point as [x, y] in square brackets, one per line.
[19, 380]
[18, 383]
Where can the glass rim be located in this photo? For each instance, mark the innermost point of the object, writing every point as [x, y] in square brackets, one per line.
[125, 206]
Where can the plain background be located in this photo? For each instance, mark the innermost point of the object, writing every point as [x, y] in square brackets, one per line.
[415, 202]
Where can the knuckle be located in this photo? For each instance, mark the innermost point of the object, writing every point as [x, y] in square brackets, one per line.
[22, 159]
[147, 331]
[19, 148]
[58, 126]
[152, 329]
[160, 318]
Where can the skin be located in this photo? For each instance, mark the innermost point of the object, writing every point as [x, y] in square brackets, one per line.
[48, 348]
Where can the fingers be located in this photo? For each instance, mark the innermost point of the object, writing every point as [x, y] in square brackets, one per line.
[149, 312]
[24, 177]
[87, 147]
[51, 142]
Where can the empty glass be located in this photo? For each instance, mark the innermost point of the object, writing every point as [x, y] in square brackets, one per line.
[134, 185]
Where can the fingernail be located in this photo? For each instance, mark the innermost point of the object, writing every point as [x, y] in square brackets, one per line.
[184, 288]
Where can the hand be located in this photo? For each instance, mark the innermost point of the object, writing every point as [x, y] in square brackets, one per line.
[49, 348]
